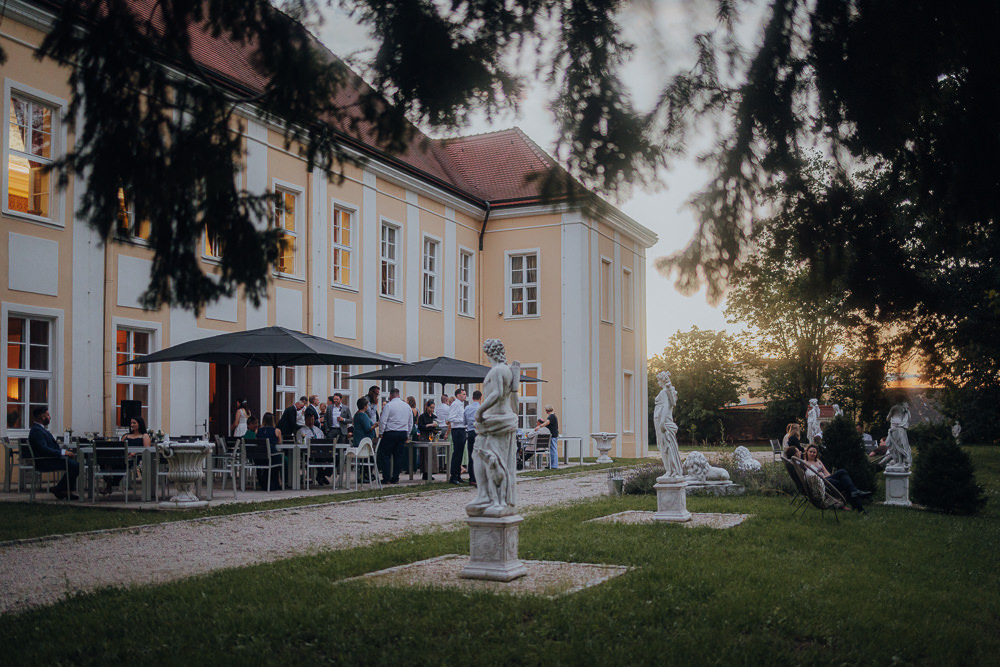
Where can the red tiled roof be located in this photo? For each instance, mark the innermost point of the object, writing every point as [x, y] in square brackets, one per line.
[492, 166]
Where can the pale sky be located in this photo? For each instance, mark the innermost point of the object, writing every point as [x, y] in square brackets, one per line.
[664, 211]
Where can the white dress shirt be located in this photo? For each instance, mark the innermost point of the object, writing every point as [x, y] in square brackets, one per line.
[456, 414]
[396, 416]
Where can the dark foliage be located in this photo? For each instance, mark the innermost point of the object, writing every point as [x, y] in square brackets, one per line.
[943, 475]
[976, 410]
[640, 481]
[842, 448]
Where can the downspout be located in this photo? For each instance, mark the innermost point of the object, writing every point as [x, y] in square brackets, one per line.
[479, 279]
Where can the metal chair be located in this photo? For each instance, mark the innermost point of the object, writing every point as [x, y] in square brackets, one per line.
[819, 491]
[257, 456]
[225, 460]
[361, 458]
[12, 455]
[776, 449]
[111, 460]
[28, 471]
[539, 449]
[321, 454]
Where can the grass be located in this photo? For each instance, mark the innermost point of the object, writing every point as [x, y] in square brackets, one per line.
[898, 585]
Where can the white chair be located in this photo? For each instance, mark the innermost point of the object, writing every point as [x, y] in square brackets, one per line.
[361, 458]
[539, 450]
[225, 460]
[776, 449]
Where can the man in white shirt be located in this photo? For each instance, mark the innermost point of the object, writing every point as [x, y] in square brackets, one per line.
[470, 431]
[456, 427]
[309, 429]
[394, 426]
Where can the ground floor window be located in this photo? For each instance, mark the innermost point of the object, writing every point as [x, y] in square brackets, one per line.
[29, 367]
[286, 389]
[527, 408]
[132, 382]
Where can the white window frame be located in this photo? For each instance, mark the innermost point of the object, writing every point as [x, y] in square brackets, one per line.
[349, 248]
[523, 401]
[395, 263]
[628, 402]
[154, 330]
[430, 277]
[299, 218]
[628, 299]
[282, 389]
[58, 149]
[509, 286]
[607, 287]
[339, 383]
[56, 317]
[466, 283]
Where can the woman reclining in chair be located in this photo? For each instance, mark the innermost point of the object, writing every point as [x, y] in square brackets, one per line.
[841, 479]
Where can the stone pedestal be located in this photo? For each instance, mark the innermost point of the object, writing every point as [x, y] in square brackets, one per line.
[493, 548]
[671, 500]
[186, 465]
[897, 486]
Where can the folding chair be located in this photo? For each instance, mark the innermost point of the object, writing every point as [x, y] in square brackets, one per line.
[321, 454]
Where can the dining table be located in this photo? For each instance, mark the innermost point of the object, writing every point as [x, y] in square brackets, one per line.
[293, 477]
[431, 449]
[149, 460]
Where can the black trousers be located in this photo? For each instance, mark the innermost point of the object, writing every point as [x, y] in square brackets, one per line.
[461, 438]
[391, 449]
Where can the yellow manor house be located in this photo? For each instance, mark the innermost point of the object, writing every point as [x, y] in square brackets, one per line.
[414, 256]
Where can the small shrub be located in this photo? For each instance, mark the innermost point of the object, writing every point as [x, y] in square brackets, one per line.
[771, 480]
[640, 481]
[843, 448]
[943, 475]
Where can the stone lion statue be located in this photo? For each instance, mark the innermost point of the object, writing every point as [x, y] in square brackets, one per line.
[697, 469]
[744, 461]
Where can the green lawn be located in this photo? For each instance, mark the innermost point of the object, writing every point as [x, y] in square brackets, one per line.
[896, 586]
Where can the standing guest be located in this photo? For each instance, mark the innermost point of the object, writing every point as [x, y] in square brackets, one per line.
[363, 426]
[338, 418]
[394, 426]
[427, 421]
[445, 401]
[239, 427]
[791, 440]
[312, 406]
[412, 402]
[470, 431]
[373, 392]
[288, 424]
[456, 427]
[551, 422]
[252, 424]
[49, 456]
[322, 415]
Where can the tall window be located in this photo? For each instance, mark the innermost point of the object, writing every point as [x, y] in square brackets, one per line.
[427, 394]
[627, 402]
[286, 388]
[285, 219]
[431, 270]
[29, 368]
[628, 299]
[128, 226]
[607, 291]
[465, 276]
[342, 224]
[390, 263]
[132, 382]
[527, 407]
[30, 152]
[523, 282]
[340, 383]
[213, 247]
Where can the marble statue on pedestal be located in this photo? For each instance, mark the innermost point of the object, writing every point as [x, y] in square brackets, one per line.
[744, 461]
[812, 420]
[666, 428]
[898, 442]
[837, 411]
[495, 454]
[698, 470]
[956, 431]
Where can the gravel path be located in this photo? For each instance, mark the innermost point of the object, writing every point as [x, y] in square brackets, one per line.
[43, 572]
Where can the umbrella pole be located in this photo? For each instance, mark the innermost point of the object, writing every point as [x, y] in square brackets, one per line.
[274, 391]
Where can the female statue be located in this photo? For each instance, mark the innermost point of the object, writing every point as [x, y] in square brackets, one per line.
[898, 442]
[812, 420]
[496, 444]
[666, 429]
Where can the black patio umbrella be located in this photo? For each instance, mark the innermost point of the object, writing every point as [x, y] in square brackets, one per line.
[270, 346]
[442, 370]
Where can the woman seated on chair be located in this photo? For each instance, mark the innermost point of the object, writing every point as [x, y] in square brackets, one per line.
[363, 426]
[841, 479]
[136, 435]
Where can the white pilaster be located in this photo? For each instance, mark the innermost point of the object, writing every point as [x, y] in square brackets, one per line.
[450, 268]
[594, 361]
[616, 313]
[574, 410]
[370, 251]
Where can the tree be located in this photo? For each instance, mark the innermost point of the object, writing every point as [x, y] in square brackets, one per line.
[702, 368]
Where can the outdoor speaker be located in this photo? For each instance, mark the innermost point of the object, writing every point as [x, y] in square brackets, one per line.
[130, 409]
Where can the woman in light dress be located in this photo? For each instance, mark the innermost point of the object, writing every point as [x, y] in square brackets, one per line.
[239, 426]
[666, 428]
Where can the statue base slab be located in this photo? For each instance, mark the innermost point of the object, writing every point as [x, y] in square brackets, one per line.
[493, 548]
[671, 501]
[172, 504]
[897, 486]
[715, 489]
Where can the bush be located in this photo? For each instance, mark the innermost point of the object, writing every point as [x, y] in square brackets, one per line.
[843, 448]
[772, 478]
[640, 481]
[943, 475]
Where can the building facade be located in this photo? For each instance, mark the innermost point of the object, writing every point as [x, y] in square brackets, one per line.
[413, 256]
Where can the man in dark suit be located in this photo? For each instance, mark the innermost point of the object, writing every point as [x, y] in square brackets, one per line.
[49, 457]
[288, 424]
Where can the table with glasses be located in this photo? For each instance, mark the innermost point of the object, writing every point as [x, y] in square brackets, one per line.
[293, 477]
[148, 458]
[431, 451]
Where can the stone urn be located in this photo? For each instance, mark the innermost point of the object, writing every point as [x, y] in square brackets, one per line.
[604, 443]
[186, 465]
